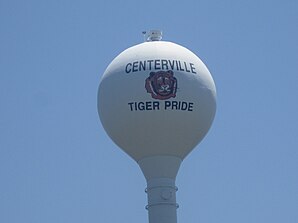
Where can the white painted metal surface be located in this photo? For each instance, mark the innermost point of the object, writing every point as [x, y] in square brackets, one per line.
[157, 101]
[160, 173]
[144, 126]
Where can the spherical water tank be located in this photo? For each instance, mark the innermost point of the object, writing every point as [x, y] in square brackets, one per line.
[156, 98]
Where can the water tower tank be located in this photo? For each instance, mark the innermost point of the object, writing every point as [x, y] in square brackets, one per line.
[157, 101]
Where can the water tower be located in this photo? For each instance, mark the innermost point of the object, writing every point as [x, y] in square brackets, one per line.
[157, 101]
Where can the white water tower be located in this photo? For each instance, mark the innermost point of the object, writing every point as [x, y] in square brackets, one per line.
[157, 101]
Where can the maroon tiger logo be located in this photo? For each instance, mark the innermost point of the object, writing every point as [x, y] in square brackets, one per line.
[161, 85]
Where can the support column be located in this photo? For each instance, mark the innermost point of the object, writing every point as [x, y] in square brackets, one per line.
[162, 200]
[160, 173]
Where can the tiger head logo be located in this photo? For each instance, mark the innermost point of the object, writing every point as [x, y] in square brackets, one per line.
[161, 85]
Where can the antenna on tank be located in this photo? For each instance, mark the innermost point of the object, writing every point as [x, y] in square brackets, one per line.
[154, 35]
[144, 35]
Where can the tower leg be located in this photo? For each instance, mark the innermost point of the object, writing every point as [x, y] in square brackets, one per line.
[162, 200]
[160, 173]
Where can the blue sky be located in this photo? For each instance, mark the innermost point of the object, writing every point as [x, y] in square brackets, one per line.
[58, 165]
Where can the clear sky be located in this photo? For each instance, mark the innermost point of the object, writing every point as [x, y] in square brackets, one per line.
[58, 165]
